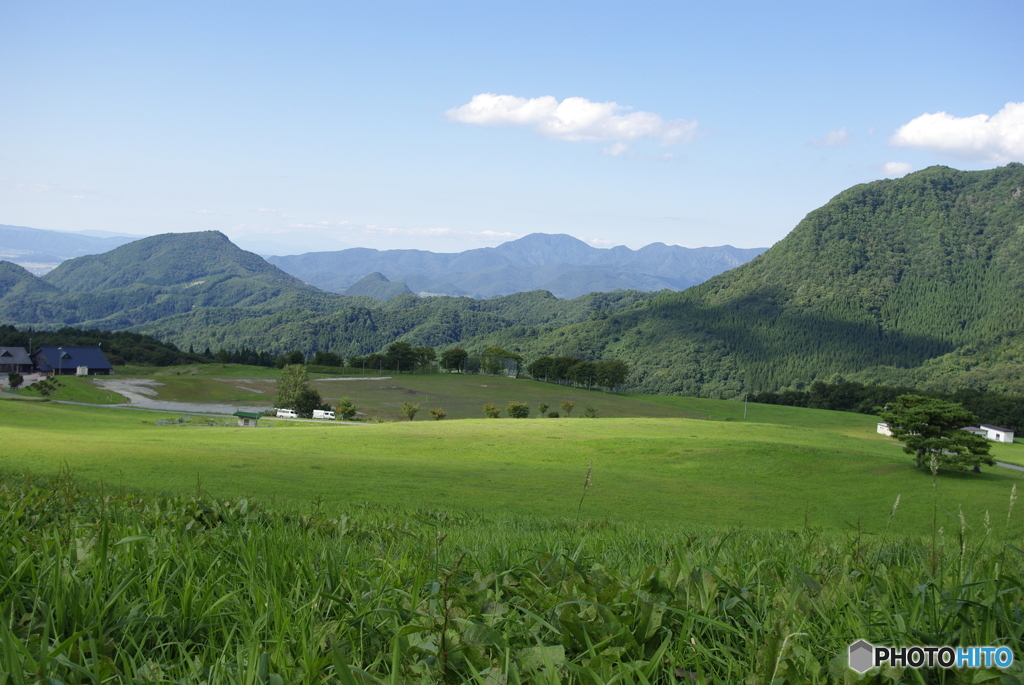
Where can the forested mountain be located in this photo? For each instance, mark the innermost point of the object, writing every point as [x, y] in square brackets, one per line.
[172, 259]
[377, 286]
[199, 289]
[148, 280]
[560, 264]
[42, 250]
[915, 281]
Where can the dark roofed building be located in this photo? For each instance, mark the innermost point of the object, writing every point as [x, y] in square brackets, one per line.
[64, 360]
[15, 360]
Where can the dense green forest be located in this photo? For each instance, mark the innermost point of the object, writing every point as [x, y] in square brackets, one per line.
[120, 347]
[989, 407]
[915, 281]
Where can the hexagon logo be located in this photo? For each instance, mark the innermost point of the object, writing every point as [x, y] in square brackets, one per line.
[862, 656]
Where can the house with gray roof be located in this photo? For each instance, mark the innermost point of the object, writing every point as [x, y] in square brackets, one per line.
[15, 360]
[73, 360]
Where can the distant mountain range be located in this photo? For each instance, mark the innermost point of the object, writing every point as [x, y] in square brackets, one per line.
[916, 281]
[40, 251]
[200, 289]
[564, 266]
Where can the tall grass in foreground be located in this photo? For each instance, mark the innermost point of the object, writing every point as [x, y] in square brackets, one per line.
[101, 586]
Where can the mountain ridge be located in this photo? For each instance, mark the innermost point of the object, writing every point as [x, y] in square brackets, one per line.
[885, 278]
[918, 280]
[559, 263]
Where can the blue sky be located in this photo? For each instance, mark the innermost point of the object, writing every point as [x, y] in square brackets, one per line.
[300, 126]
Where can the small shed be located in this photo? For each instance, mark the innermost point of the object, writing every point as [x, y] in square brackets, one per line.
[883, 429]
[996, 433]
[247, 419]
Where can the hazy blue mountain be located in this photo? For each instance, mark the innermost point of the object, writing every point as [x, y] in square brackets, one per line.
[560, 264]
[40, 250]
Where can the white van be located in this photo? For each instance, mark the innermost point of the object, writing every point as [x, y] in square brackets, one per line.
[322, 414]
[287, 414]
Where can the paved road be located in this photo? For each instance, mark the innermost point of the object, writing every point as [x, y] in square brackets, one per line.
[220, 410]
[1009, 466]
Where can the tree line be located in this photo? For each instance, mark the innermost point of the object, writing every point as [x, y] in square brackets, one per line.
[842, 395]
[607, 373]
[120, 347]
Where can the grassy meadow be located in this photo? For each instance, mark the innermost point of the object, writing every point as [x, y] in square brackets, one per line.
[71, 389]
[706, 549]
[110, 585]
[659, 472]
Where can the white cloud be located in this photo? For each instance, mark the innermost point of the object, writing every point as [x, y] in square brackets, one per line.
[894, 169]
[998, 138]
[574, 119]
[493, 235]
[840, 136]
[204, 211]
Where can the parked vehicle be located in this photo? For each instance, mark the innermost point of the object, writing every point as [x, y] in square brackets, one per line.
[323, 414]
[287, 414]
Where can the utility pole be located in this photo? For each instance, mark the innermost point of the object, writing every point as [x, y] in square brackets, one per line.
[744, 406]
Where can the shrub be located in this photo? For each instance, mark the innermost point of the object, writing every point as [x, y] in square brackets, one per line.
[410, 410]
[437, 413]
[517, 410]
[552, 414]
[490, 411]
[346, 409]
[307, 401]
[542, 408]
[590, 413]
[567, 406]
[15, 380]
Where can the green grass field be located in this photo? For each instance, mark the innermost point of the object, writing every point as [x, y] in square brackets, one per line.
[462, 397]
[111, 585]
[72, 389]
[708, 547]
[656, 471]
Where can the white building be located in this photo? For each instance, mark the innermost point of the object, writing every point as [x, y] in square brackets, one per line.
[883, 429]
[997, 434]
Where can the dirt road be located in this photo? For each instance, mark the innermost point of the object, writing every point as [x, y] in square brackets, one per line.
[140, 392]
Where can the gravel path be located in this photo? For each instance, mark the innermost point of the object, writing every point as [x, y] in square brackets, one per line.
[1009, 466]
[140, 391]
[354, 378]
